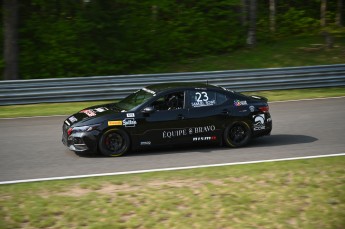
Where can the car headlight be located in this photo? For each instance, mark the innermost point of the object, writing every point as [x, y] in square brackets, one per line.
[78, 129]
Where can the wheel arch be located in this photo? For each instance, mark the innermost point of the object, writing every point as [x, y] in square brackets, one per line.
[246, 120]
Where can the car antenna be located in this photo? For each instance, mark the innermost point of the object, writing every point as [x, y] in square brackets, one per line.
[207, 82]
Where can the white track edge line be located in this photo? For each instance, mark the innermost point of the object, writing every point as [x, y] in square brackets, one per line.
[170, 169]
[283, 101]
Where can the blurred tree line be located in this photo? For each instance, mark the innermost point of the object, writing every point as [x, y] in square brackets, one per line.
[68, 38]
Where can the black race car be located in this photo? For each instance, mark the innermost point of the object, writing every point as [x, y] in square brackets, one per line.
[168, 114]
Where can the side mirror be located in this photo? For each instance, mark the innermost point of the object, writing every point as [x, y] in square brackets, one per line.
[148, 110]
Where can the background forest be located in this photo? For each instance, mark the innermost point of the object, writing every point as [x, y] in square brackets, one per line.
[69, 38]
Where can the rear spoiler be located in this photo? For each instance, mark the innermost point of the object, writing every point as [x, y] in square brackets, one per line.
[261, 98]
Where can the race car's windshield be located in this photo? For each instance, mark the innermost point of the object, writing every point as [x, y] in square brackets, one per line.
[135, 99]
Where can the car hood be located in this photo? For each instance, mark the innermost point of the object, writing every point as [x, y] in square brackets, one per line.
[92, 113]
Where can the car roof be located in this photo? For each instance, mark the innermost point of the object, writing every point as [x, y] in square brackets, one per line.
[187, 85]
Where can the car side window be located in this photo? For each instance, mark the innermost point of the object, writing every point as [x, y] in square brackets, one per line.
[221, 98]
[172, 101]
[202, 98]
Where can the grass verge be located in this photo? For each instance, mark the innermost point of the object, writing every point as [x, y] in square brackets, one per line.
[291, 194]
[289, 52]
[295, 94]
[45, 109]
[70, 108]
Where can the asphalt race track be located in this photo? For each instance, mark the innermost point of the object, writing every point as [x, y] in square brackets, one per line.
[31, 147]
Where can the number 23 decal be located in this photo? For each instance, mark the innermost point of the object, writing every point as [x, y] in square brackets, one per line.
[201, 96]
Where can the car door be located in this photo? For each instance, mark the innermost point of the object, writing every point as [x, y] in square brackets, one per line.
[166, 123]
[207, 114]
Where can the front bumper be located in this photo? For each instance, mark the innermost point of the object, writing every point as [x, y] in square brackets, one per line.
[75, 142]
[81, 141]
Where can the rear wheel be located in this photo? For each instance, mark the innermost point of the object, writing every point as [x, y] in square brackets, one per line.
[114, 143]
[238, 134]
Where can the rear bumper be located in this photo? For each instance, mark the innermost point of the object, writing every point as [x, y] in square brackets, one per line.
[265, 129]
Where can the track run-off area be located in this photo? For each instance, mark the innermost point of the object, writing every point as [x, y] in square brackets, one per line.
[31, 148]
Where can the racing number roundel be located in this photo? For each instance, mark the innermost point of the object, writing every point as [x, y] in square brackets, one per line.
[201, 99]
[201, 96]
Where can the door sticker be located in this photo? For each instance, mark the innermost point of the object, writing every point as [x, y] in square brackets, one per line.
[172, 133]
[259, 122]
[201, 99]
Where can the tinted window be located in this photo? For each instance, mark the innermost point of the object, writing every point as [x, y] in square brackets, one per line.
[135, 99]
[202, 98]
[172, 101]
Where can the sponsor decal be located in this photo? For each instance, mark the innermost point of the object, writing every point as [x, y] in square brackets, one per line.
[184, 132]
[147, 143]
[198, 139]
[238, 103]
[130, 115]
[72, 119]
[129, 122]
[68, 124]
[92, 112]
[259, 122]
[101, 109]
[114, 123]
[204, 129]
[174, 133]
[203, 103]
[89, 113]
[251, 108]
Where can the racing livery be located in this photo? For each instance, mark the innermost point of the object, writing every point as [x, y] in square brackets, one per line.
[168, 114]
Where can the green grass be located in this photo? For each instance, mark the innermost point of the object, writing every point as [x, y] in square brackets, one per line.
[295, 94]
[294, 51]
[70, 108]
[292, 194]
[45, 109]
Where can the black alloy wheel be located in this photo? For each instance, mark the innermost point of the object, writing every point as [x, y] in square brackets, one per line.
[114, 143]
[237, 134]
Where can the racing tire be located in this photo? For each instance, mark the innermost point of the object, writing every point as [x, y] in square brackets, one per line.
[237, 134]
[114, 143]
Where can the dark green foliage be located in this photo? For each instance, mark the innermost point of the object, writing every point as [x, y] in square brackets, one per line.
[69, 38]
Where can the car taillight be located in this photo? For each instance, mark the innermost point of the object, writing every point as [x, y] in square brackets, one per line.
[264, 109]
[69, 131]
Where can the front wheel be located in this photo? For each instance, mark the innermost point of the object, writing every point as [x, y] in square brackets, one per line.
[114, 143]
[238, 134]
